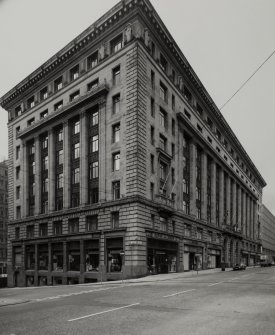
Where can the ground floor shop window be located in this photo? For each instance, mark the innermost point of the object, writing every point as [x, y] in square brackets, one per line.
[57, 281]
[114, 258]
[91, 255]
[42, 281]
[57, 257]
[72, 281]
[30, 281]
[30, 257]
[74, 256]
[43, 257]
[17, 256]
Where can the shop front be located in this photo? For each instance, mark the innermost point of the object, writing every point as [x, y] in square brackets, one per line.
[161, 256]
[244, 257]
[192, 258]
[213, 258]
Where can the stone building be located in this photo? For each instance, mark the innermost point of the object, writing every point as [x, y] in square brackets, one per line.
[268, 233]
[119, 160]
[3, 216]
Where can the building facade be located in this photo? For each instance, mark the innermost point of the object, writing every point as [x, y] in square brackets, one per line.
[3, 216]
[120, 162]
[268, 234]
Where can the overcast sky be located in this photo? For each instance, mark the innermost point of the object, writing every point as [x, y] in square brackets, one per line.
[223, 40]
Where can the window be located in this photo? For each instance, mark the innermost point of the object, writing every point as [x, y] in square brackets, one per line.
[17, 130]
[187, 94]
[58, 84]
[187, 230]
[17, 233]
[30, 102]
[17, 172]
[116, 161]
[93, 195]
[173, 127]
[74, 73]
[59, 202]
[75, 176]
[116, 75]
[163, 118]
[44, 93]
[209, 123]
[115, 220]
[173, 102]
[93, 170]
[59, 157]
[152, 79]
[199, 109]
[59, 135]
[162, 170]
[76, 150]
[152, 191]
[58, 105]
[152, 107]
[94, 118]
[44, 114]
[153, 220]
[76, 127]
[163, 63]
[187, 114]
[44, 206]
[30, 231]
[162, 142]
[17, 192]
[116, 44]
[43, 229]
[44, 142]
[199, 233]
[18, 111]
[17, 152]
[92, 60]
[95, 143]
[92, 223]
[163, 92]
[116, 190]
[163, 224]
[31, 121]
[152, 164]
[18, 212]
[173, 227]
[73, 225]
[173, 150]
[116, 133]
[116, 104]
[59, 183]
[45, 185]
[92, 85]
[173, 176]
[57, 228]
[45, 163]
[152, 135]
[75, 199]
[74, 95]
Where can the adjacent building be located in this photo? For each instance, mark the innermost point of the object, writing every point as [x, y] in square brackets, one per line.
[3, 216]
[119, 160]
[268, 234]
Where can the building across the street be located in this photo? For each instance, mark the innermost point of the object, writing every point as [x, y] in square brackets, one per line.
[268, 236]
[3, 218]
[120, 163]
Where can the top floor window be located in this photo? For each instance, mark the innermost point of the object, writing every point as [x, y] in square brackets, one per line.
[74, 73]
[59, 135]
[116, 44]
[58, 84]
[92, 85]
[116, 75]
[163, 63]
[18, 111]
[44, 93]
[92, 60]
[30, 102]
[76, 127]
[187, 94]
[163, 92]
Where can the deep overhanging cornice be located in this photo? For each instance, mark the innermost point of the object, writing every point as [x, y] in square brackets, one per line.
[102, 25]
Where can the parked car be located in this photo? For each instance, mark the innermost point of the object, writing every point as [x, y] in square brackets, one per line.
[239, 267]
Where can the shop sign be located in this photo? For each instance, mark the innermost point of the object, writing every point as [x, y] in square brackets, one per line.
[161, 236]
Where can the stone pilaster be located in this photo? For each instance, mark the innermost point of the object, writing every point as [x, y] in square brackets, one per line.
[37, 178]
[247, 216]
[25, 179]
[193, 179]
[66, 166]
[239, 204]
[204, 186]
[221, 201]
[83, 159]
[228, 198]
[52, 163]
[213, 192]
[102, 152]
[234, 203]
[244, 212]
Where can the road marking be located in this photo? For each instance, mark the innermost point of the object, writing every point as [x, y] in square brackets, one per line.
[177, 293]
[234, 279]
[72, 294]
[216, 283]
[108, 311]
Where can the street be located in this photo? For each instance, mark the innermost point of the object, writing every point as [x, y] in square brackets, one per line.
[230, 302]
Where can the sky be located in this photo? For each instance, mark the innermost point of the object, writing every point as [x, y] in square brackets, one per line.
[224, 41]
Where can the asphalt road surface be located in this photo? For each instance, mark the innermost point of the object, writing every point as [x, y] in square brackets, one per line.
[231, 302]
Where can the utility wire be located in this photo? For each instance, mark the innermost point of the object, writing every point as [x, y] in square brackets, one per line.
[238, 90]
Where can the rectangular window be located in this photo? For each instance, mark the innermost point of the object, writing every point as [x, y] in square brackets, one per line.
[163, 118]
[74, 95]
[95, 143]
[152, 164]
[18, 111]
[187, 94]
[116, 190]
[30, 231]
[116, 104]
[116, 161]
[31, 121]
[163, 224]
[60, 183]
[152, 135]
[116, 132]
[73, 225]
[162, 170]
[152, 79]
[162, 143]
[44, 114]
[173, 176]
[44, 93]
[74, 73]
[45, 185]
[45, 163]
[92, 85]
[76, 150]
[76, 127]
[17, 192]
[163, 63]
[43, 229]
[92, 60]
[58, 105]
[93, 195]
[57, 228]
[30, 102]
[199, 233]
[152, 191]
[17, 233]
[91, 223]
[18, 212]
[59, 157]
[163, 92]
[173, 127]
[44, 142]
[59, 135]
[17, 152]
[116, 75]
[93, 170]
[187, 230]
[173, 102]
[152, 107]
[199, 109]
[94, 118]
[115, 220]
[58, 84]
[75, 176]
[116, 44]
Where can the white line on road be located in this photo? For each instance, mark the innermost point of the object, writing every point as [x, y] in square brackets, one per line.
[234, 279]
[177, 293]
[216, 283]
[109, 310]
